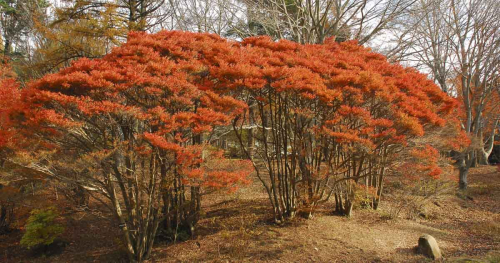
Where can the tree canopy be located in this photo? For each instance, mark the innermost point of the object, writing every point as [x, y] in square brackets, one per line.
[329, 119]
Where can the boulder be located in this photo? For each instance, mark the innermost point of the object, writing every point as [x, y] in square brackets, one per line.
[428, 246]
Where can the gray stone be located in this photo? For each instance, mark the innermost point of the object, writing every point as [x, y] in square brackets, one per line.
[428, 246]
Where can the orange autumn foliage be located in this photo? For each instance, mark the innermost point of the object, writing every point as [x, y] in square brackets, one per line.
[328, 116]
[9, 96]
[129, 127]
[154, 83]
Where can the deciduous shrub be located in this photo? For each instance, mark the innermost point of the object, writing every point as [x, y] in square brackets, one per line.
[129, 129]
[329, 120]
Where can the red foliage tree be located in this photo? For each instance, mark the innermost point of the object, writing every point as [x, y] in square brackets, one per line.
[9, 96]
[328, 117]
[328, 120]
[129, 127]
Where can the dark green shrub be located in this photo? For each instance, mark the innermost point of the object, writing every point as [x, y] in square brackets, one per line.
[41, 230]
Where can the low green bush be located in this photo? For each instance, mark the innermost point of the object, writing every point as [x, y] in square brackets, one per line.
[41, 228]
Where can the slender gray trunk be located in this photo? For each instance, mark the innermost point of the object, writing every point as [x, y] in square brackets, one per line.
[251, 139]
[485, 152]
[463, 171]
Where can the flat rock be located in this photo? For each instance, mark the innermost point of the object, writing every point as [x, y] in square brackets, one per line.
[428, 246]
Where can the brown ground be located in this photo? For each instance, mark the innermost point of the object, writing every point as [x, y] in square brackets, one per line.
[236, 228]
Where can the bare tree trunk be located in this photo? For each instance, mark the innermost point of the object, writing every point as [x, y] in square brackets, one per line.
[251, 139]
[464, 166]
[131, 253]
[6, 50]
[463, 171]
[486, 151]
[482, 157]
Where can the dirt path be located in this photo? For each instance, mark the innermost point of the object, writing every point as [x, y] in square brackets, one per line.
[237, 231]
[236, 228]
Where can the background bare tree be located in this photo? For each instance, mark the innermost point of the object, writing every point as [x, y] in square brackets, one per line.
[308, 21]
[458, 42]
[214, 16]
[421, 39]
[16, 22]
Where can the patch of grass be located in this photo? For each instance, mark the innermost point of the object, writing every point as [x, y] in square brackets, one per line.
[481, 189]
[428, 215]
[384, 215]
[492, 257]
[490, 229]
[235, 242]
[462, 194]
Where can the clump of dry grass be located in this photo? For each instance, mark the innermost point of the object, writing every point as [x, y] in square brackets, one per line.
[236, 237]
[411, 201]
[491, 257]
[480, 189]
[490, 229]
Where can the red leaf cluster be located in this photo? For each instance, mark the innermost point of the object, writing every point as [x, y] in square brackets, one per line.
[9, 96]
[158, 91]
